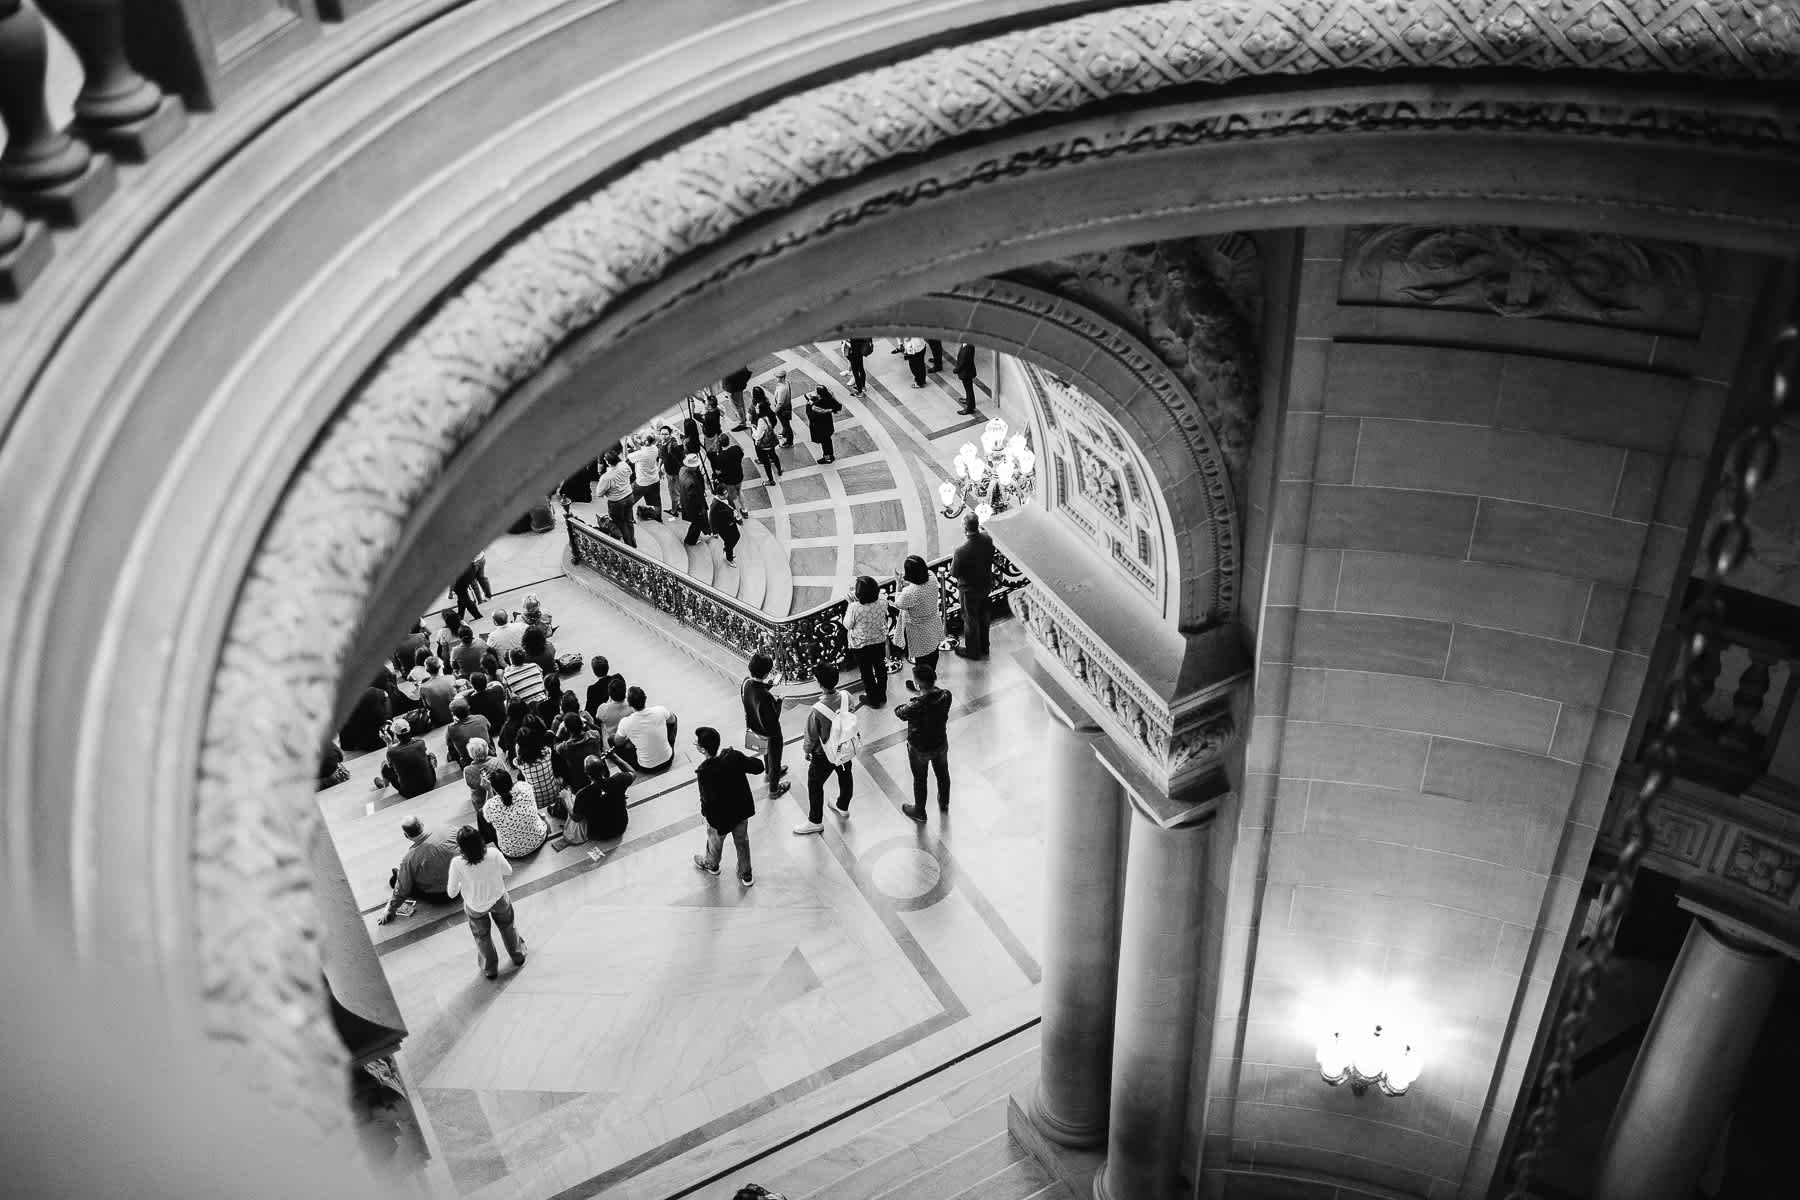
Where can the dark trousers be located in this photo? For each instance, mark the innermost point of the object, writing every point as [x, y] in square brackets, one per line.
[484, 589]
[871, 662]
[939, 762]
[859, 377]
[737, 406]
[465, 602]
[929, 660]
[937, 353]
[786, 421]
[772, 759]
[825, 447]
[968, 382]
[729, 537]
[620, 512]
[651, 495]
[818, 770]
[975, 604]
[480, 924]
[696, 526]
[917, 363]
[769, 461]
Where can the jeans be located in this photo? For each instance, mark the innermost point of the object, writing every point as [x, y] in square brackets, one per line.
[772, 760]
[818, 770]
[480, 924]
[715, 847]
[871, 661]
[620, 512]
[975, 618]
[939, 762]
[769, 461]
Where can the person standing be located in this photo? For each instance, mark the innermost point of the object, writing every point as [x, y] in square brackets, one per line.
[936, 346]
[965, 371]
[914, 348]
[820, 424]
[728, 472]
[725, 801]
[972, 566]
[865, 633]
[724, 522]
[762, 719]
[764, 437]
[921, 612]
[424, 871]
[645, 458]
[692, 488]
[618, 488]
[712, 421]
[927, 743]
[856, 351]
[480, 879]
[672, 453]
[734, 385]
[819, 767]
[783, 404]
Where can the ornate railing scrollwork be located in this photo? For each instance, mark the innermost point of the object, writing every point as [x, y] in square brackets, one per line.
[797, 643]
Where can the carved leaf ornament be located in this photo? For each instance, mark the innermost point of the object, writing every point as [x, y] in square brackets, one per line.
[341, 518]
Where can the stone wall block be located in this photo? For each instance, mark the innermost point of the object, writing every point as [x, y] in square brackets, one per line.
[1360, 642]
[1517, 662]
[1555, 539]
[1357, 518]
[1615, 406]
[1490, 775]
[1422, 383]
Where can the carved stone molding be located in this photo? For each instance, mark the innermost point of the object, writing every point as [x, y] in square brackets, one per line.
[1554, 274]
[1173, 747]
[1742, 844]
[342, 516]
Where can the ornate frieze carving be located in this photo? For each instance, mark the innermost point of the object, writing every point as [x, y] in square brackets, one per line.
[1555, 274]
[342, 515]
[1743, 841]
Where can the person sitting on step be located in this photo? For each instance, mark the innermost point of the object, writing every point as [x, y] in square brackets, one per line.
[646, 738]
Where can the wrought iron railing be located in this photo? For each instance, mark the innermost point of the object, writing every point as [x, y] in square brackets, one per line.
[797, 643]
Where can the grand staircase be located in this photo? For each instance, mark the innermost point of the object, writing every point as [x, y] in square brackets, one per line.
[941, 1139]
[761, 578]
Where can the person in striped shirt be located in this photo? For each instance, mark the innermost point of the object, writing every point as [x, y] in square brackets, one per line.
[524, 680]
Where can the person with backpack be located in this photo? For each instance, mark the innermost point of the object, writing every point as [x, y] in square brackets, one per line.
[831, 742]
[763, 435]
[927, 743]
[726, 804]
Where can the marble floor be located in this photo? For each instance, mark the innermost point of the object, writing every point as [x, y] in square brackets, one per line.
[669, 1024]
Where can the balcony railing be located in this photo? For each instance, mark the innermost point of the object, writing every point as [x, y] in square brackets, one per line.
[797, 643]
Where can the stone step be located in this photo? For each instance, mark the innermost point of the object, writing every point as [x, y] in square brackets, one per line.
[1020, 1179]
[704, 559]
[778, 590]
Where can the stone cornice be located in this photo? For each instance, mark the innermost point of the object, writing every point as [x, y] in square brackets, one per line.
[343, 515]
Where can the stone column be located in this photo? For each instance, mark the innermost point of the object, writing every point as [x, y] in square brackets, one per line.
[1689, 1068]
[1159, 987]
[1083, 886]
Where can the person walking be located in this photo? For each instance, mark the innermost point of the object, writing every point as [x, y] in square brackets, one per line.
[865, 623]
[832, 709]
[783, 405]
[927, 744]
[921, 612]
[972, 566]
[914, 348]
[618, 488]
[762, 720]
[645, 458]
[692, 488]
[965, 371]
[820, 424]
[725, 801]
[465, 590]
[723, 520]
[479, 877]
[734, 385]
[856, 351]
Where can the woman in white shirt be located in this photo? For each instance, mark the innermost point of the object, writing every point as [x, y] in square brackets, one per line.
[480, 879]
[921, 616]
[519, 828]
[865, 633]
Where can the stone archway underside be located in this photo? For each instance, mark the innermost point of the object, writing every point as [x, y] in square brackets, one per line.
[345, 512]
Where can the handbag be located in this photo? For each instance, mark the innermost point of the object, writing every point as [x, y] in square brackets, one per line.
[568, 664]
[755, 743]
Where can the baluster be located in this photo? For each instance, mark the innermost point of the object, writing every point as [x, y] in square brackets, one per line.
[1705, 676]
[44, 171]
[118, 110]
[24, 252]
[1747, 703]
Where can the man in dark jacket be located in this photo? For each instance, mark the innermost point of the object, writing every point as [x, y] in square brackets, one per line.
[855, 350]
[965, 371]
[722, 519]
[487, 699]
[762, 716]
[735, 385]
[465, 727]
[727, 459]
[725, 801]
[972, 566]
[464, 589]
[927, 744]
[691, 487]
[410, 767]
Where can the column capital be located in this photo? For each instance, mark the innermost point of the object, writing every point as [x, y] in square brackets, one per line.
[1740, 925]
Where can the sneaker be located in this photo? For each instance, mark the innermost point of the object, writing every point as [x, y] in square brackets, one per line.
[701, 863]
[841, 809]
[918, 385]
[779, 790]
[917, 814]
[806, 827]
[746, 881]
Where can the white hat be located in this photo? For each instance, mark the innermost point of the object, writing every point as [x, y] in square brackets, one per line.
[399, 728]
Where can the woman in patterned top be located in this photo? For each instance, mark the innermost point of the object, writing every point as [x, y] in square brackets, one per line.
[536, 764]
[865, 632]
[519, 828]
[920, 612]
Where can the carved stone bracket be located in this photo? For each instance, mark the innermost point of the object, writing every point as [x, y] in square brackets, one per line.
[343, 515]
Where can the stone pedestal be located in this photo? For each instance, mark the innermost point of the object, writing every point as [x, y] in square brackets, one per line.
[1083, 887]
[1687, 1074]
[1153, 1035]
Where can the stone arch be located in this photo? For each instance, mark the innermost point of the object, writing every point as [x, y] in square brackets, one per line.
[1152, 405]
[661, 239]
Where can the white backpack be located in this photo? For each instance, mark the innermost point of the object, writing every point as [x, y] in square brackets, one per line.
[844, 739]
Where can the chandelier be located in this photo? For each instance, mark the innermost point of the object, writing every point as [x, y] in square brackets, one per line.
[1361, 1057]
[993, 478]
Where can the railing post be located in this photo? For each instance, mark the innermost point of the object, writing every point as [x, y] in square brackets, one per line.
[118, 110]
[44, 172]
[24, 252]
